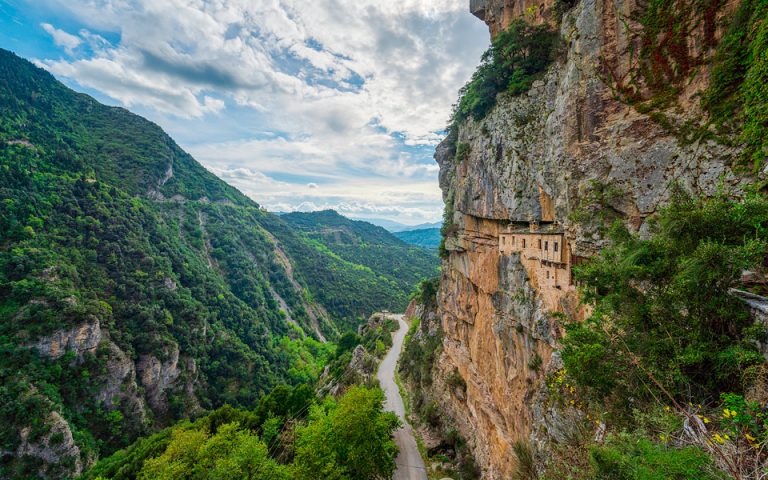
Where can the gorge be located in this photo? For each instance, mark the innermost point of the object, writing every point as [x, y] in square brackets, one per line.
[596, 307]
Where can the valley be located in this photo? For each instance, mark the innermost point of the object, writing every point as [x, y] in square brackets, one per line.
[592, 306]
[137, 289]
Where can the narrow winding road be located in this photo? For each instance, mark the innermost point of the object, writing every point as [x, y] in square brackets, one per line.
[410, 465]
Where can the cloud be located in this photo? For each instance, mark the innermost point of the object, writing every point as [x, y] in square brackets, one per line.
[61, 38]
[403, 59]
[348, 91]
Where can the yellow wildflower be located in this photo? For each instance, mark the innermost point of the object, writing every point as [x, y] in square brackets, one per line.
[706, 420]
[663, 438]
[666, 409]
[719, 439]
[749, 437]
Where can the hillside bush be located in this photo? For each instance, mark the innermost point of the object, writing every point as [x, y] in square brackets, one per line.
[346, 439]
[517, 57]
[663, 314]
[739, 86]
[627, 457]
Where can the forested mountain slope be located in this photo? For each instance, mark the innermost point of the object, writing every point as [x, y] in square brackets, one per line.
[423, 237]
[367, 248]
[137, 288]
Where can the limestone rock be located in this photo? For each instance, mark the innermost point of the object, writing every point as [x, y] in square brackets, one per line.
[540, 156]
[158, 376]
[81, 338]
[375, 321]
[119, 389]
[56, 450]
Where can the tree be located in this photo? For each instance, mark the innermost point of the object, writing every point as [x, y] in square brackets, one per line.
[663, 306]
[348, 440]
[231, 454]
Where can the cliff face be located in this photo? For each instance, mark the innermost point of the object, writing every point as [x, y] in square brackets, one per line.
[570, 151]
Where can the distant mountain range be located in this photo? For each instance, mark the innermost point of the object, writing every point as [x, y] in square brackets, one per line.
[394, 226]
[389, 225]
[426, 235]
[423, 237]
[364, 244]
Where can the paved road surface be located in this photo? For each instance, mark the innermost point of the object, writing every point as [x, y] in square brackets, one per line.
[410, 465]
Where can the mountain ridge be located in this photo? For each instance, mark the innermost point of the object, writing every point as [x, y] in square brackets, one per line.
[425, 237]
[136, 287]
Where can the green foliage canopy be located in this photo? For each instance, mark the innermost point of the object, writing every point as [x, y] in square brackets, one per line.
[663, 307]
[346, 439]
[517, 57]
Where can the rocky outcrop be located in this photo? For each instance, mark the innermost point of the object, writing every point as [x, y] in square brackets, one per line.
[158, 376]
[138, 389]
[119, 389]
[374, 321]
[361, 369]
[80, 339]
[495, 327]
[566, 151]
[758, 309]
[498, 13]
[54, 450]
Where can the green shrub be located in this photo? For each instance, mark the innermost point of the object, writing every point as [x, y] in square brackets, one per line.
[462, 151]
[431, 413]
[426, 292]
[455, 380]
[662, 308]
[739, 84]
[351, 439]
[517, 57]
[448, 228]
[526, 466]
[535, 362]
[627, 457]
[562, 6]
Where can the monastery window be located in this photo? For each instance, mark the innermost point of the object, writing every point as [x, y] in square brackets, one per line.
[513, 240]
[547, 274]
[503, 240]
[546, 245]
[555, 246]
[523, 243]
[539, 244]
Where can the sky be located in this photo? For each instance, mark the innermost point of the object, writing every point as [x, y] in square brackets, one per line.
[301, 104]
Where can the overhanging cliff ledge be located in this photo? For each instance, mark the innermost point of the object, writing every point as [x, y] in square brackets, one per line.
[583, 147]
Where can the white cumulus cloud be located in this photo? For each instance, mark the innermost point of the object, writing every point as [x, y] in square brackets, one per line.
[61, 38]
[348, 91]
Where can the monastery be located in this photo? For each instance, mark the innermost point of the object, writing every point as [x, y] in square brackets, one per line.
[546, 256]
